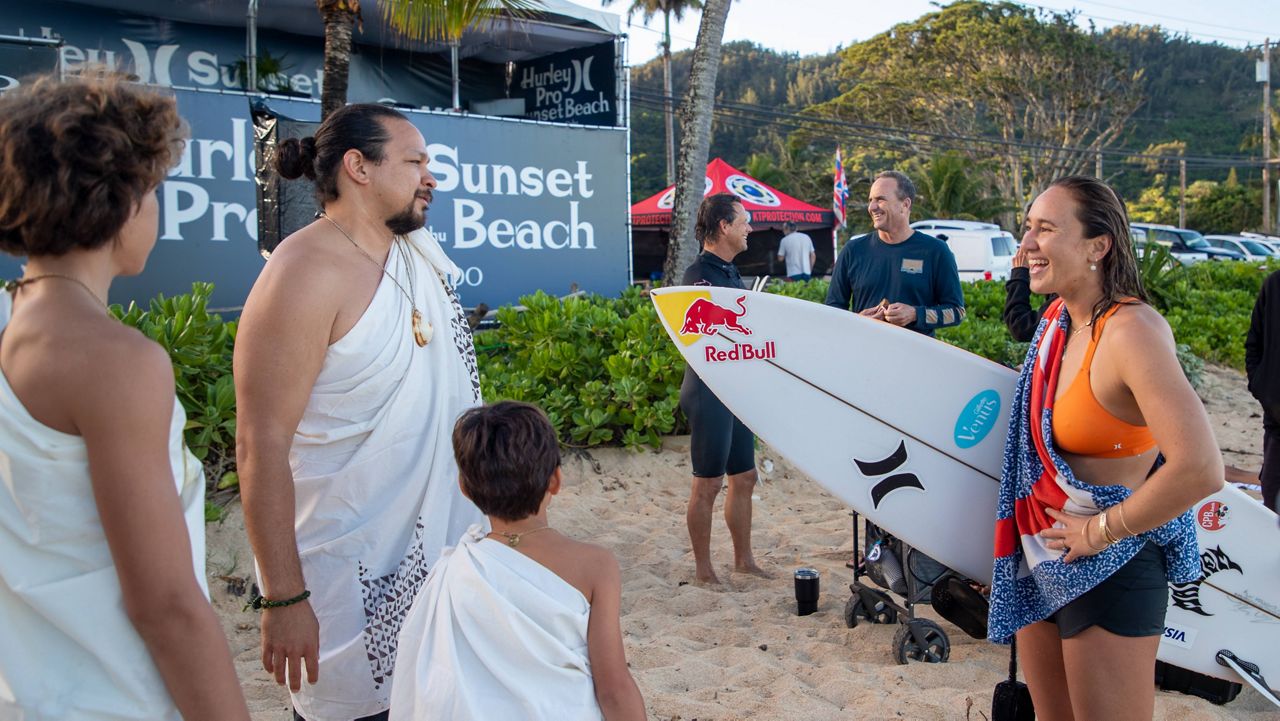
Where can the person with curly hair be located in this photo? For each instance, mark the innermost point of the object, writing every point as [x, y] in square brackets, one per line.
[102, 586]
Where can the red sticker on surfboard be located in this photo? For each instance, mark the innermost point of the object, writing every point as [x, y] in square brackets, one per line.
[1212, 516]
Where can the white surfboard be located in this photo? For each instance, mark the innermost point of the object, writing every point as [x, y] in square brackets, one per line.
[910, 432]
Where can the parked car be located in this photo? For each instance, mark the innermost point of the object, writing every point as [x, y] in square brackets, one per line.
[1271, 241]
[1183, 240]
[1139, 237]
[931, 225]
[1250, 248]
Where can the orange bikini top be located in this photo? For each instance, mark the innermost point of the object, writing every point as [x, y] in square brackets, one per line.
[1083, 427]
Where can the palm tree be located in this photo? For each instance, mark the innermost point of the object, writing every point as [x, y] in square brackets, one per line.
[447, 20]
[423, 20]
[953, 186]
[668, 8]
[339, 16]
[695, 136]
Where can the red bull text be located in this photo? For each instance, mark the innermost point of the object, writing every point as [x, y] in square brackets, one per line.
[742, 351]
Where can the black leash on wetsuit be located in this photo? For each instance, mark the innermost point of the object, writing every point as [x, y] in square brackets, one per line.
[1012, 699]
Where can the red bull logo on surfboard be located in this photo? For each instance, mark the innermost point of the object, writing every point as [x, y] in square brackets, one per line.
[694, 314]
[705, 318]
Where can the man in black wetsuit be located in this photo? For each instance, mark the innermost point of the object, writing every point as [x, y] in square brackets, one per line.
[720, 445]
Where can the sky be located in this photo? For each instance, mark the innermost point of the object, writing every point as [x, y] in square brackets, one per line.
[809, 27]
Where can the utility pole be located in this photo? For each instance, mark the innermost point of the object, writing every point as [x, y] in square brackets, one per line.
[1182, 192]
[667, 92]
[1264, 77]
[1097, 165]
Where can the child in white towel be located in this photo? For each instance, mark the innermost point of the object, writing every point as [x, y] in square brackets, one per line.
[521, 622]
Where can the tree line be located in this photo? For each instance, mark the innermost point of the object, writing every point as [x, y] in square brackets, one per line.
[985, 103]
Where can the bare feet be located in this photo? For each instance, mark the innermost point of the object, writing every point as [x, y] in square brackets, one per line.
[751, 568]
[707, 579]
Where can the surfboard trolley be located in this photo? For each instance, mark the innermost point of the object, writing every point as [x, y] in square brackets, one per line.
[906, 578]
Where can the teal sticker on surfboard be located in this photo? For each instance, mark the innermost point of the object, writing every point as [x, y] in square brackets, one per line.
[977, 418]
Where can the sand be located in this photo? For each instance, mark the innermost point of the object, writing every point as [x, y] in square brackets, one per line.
[740, 652]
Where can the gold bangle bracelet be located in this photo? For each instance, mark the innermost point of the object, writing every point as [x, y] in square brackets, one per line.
[1123, 524]
[1106, 532]
[1084, 533]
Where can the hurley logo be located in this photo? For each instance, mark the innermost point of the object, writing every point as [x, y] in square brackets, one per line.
[884, 467]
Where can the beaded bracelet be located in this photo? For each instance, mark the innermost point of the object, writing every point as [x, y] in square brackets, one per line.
[259, 602]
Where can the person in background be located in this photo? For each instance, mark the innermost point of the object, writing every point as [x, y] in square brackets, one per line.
[1262, 363]
[796, 249]
[1019, 317]
[102, 570]
[896, 273]
[1107, 452]
[720, 446]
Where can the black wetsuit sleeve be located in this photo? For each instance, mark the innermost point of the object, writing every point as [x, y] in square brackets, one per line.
[1019, 318]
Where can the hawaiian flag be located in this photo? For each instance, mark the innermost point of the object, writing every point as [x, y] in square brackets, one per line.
[839, 193]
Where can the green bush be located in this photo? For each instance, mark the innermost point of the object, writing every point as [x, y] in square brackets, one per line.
[603, 369]
[606, 373]
[200, 344]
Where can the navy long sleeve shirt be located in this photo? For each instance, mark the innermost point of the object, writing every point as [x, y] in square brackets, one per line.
[920, 271]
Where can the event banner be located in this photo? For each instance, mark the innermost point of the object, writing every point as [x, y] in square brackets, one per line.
[208, 57]
[575, 86]
[520, 207]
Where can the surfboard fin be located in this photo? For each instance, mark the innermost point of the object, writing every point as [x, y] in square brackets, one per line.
[1250, 673]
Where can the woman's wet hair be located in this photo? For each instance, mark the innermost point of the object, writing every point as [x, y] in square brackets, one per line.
[714, 209]
[78, 156]
[506, 453]
[1101, 212]
[361, 126]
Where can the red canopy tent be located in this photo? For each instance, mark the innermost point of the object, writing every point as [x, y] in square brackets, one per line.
[769, 208]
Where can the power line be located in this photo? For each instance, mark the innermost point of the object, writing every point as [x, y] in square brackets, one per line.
[798, 121]
[1169, 17]
[1246, 41]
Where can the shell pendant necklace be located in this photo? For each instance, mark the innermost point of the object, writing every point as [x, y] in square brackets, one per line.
[422, 330]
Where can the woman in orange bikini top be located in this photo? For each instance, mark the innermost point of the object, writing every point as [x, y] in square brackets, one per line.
[1081, 425]
[1078, 246]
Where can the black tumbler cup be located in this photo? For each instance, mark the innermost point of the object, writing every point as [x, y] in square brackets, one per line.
[806, 591]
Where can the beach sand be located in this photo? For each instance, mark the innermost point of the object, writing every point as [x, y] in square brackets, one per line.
[740, 652]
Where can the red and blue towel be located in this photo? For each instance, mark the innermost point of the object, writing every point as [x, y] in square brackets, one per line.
[1030, 582]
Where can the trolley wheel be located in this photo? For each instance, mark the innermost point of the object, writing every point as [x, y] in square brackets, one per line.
[852, 610]
[877, 609]
[921, 640]
[885, 615]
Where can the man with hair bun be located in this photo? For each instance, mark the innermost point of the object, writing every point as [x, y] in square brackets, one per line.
[352, 362]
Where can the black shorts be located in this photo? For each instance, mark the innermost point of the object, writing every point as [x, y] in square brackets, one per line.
[719, 443]
[1269, 477]
[1130, 602]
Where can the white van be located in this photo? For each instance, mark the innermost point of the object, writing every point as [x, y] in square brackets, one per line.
[982, 250]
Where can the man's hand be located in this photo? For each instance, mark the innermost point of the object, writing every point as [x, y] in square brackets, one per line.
[290, 635]
[900, 314]
[875, 312]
